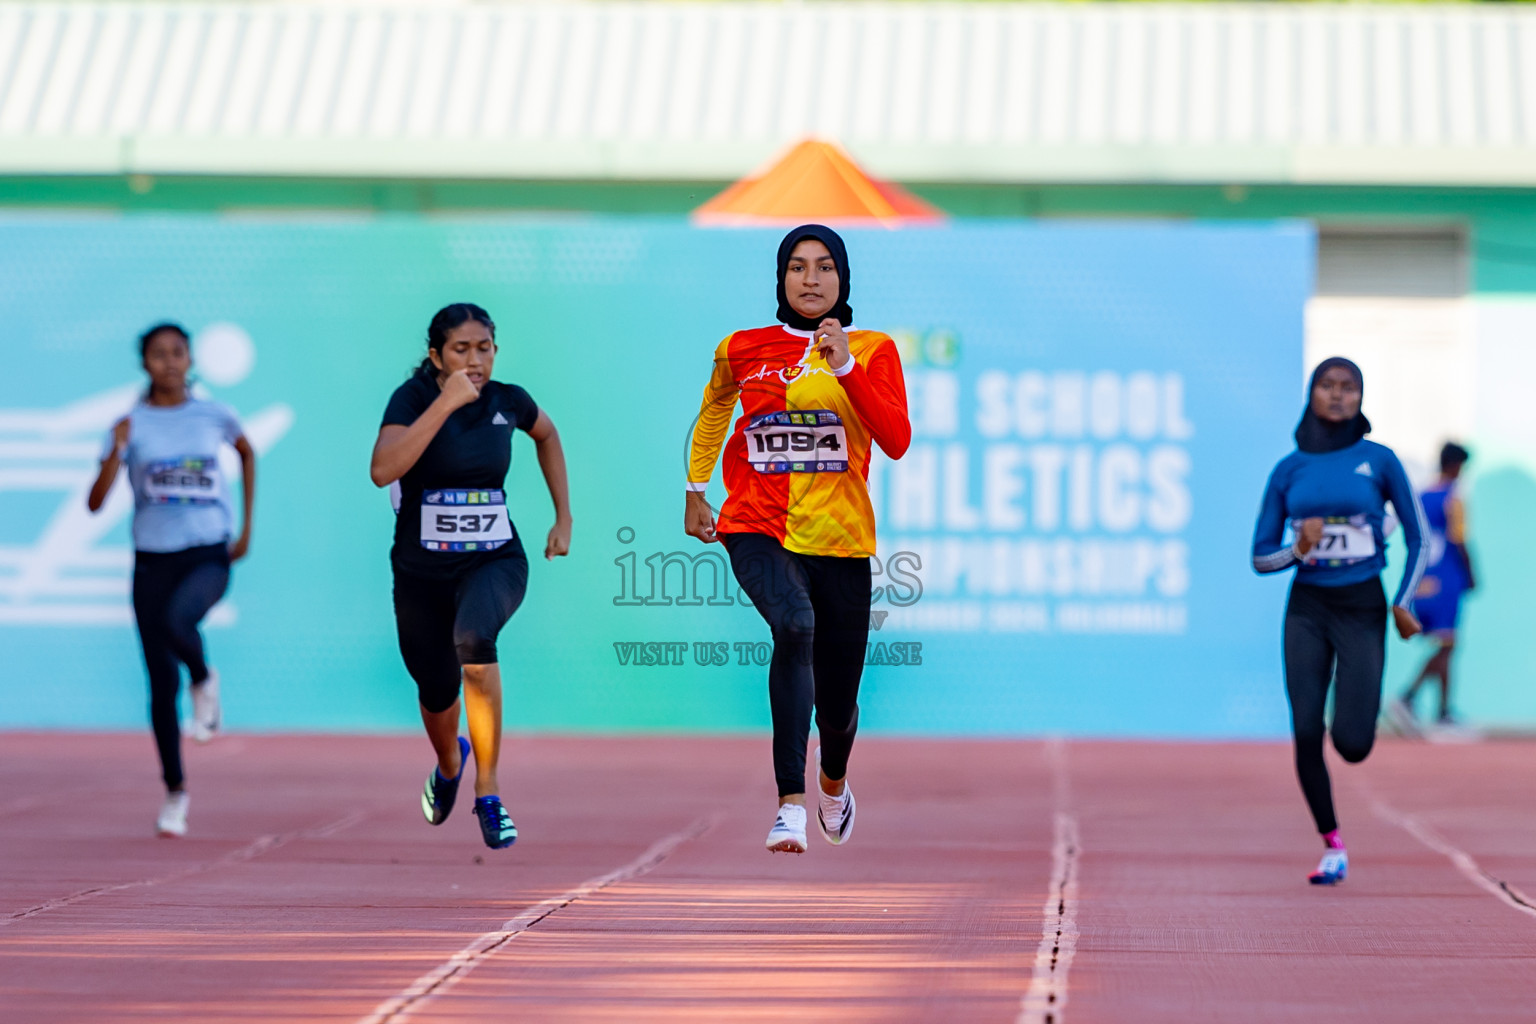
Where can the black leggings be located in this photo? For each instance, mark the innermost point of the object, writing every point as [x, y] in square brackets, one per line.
[818, 609]
[172, 591]
[1336, 634]
[445, 624]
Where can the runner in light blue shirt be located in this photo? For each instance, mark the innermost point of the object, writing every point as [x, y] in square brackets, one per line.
[183, 538]
[180, 498]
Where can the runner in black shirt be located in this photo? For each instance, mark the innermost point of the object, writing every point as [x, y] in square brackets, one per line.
[460, 571]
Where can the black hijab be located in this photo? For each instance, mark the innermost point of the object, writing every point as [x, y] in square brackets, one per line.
[1315, 434]
[829, 238]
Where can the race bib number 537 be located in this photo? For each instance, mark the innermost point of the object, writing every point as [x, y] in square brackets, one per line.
[454, 520]
[804, 441]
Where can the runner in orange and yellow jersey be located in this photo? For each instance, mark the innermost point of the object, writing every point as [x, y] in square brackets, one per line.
[815, 393]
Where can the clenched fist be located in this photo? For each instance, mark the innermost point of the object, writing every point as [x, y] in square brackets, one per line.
[1310, 534]
[832, 342]
[459, 390]
[699, 518]
[120, 437]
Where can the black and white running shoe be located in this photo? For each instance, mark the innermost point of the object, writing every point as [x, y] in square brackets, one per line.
[438, 797]
[834, 813]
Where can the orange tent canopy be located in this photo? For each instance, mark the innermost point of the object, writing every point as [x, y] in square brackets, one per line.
[815, 181]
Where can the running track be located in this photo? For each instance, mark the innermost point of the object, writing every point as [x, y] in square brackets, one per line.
[988, 881]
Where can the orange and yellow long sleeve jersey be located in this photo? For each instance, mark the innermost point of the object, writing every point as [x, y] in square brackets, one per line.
[797, 462]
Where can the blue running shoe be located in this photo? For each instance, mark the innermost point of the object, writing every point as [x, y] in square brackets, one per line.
[1333, 869]
[437, 799]
[496, 826]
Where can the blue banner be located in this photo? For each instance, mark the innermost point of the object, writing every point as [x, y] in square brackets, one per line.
[1063, 549]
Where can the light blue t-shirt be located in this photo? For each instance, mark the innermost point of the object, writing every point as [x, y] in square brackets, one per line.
[180, 497]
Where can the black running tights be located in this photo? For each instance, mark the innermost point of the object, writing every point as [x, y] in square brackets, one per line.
[172, 591]
[817, 607]
[1337, 635]
[447, 623]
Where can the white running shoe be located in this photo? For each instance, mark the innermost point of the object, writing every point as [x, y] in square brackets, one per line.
[1400, 715]
[172, 822]
[834, 813]
[788, 832]
[1448, 730]
[205, 709]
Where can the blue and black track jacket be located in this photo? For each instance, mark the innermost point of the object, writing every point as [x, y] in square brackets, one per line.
[1347, 488]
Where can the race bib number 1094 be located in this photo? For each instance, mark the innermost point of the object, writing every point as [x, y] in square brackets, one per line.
[455, 520]
[804, 441]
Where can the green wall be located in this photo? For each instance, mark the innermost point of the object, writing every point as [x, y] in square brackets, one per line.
[1501, 221]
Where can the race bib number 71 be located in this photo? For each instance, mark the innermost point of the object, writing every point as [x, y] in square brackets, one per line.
[804, 441]
[1345, 539]
[454, 520]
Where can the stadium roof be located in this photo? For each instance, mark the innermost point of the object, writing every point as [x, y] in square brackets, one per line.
[689, 91]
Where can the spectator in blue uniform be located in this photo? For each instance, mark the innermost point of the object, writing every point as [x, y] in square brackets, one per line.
[1437, 603]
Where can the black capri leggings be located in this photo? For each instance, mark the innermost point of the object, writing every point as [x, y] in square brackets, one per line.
[818, 609]
[1339, 635]
[445, 624]
[172, 591]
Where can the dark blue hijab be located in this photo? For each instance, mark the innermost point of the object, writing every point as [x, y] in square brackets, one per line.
[834, 243]
[1315, 434]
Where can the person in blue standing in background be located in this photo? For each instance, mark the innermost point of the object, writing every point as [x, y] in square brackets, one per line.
[183, 540]
[1437, 603]
[1332, 494]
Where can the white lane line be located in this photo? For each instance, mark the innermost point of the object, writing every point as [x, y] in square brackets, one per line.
[261, 845]
[1463, 861]
[1046, 997]
[448, 973]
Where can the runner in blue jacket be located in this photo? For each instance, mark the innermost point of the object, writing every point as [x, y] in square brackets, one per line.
[1322, 514]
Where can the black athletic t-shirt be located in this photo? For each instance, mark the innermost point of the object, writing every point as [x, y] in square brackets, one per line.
[472, 450]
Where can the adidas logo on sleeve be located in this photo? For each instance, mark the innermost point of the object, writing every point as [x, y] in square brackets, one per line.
[501, 421]
[1364, 469]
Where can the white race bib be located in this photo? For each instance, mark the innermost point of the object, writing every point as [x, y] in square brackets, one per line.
[805, 441]
[454, 520]
[184, 481]
[1344, 540]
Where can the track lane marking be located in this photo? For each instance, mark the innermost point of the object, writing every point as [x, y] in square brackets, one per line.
[1046, 997]
[1463, 861]
[448, 973]
[261, 845]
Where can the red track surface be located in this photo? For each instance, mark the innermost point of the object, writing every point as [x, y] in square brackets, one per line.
[310, 889]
